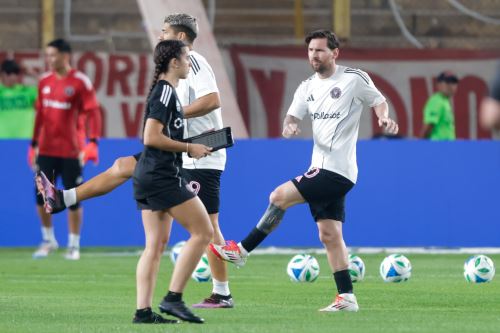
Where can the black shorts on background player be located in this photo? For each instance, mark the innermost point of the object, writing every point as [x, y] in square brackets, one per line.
[325, 193]
[205, 183]
[69, 169]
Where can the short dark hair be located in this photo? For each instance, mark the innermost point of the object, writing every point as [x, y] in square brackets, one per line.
[448, 77]
[10, 67]
[333, 41]
[61, 45]
[183, 23]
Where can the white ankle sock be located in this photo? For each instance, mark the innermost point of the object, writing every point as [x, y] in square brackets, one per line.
[69, 197]
[242, 250]
[74, 241]
[48, 235]
[221, 288]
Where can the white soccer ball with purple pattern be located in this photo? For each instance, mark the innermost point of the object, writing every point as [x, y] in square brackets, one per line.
[303, 268]
[479, 269]
[395, 268]
[202, 271]
[356, 268]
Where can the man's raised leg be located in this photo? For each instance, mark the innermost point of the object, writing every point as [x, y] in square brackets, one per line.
[283, 197]
[57, 200]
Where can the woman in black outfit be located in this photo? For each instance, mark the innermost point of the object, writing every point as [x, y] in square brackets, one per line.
[160, 190]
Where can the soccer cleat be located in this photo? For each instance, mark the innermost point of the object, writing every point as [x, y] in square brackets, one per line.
[44, 249]
[179, 310]
[229, 252]
[216, 301]
[53, 198]
[73, 253]
[343, 302]
[153, 318]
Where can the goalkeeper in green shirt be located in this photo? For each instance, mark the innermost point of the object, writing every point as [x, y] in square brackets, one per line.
[439, 120]
[16, 103]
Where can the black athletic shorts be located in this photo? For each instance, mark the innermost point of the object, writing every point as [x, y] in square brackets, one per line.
[325, 193]
[170, 197]
[69, 169]
[206, 184]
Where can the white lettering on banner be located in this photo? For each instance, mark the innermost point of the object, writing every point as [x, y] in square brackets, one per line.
[50, 103]
[266, 79]
[405, 77]
[121, 82]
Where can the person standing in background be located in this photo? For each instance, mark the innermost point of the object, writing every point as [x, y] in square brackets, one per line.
[17, 101]
[66, 103]
[439, 120]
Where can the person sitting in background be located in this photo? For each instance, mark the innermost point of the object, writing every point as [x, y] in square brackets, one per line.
[439, 120]
[17, 101]
[490, 106]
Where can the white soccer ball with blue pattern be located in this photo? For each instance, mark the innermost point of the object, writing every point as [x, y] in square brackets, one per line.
[356, 268]
[202, 271]
[479, 269]
[176, 250]
[395, 268]
[303, 268]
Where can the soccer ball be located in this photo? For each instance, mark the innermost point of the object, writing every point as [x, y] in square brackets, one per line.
[395, 268]
[356, 268]
[303, 268]
[202, 271]
[479, 269]
[176, 250]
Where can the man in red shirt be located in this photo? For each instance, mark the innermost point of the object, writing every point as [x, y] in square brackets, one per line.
[66, 104]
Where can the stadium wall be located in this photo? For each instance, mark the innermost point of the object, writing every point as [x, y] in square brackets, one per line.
[409, 193]
[266, 78]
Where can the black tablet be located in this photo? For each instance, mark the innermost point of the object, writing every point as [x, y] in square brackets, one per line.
[219, 139]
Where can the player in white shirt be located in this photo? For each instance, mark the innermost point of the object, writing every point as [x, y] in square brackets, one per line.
[334, 98]
[200, 98]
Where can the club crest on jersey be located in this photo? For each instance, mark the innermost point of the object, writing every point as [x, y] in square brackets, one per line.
[178, 123]
[335, 92]
[46, 90]
[69, 91]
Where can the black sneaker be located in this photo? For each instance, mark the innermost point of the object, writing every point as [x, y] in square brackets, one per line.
[52, 197]
[216, 301]
[153, 318]
[179, 310]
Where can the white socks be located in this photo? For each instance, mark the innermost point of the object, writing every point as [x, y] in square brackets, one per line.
[48, 235]
[74, 241]
[69, 197]
[221, 288]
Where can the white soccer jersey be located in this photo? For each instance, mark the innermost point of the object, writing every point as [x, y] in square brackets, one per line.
[335, 105]
[200, 82]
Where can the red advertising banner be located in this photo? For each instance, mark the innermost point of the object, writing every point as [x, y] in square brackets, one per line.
[121, 82]
[266, 79]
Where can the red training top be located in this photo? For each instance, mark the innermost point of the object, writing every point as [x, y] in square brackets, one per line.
[64, 106]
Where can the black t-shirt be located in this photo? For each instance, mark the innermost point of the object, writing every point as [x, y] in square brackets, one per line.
[158, 170]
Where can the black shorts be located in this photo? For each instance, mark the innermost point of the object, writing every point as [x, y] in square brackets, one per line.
[137, 156]
[206, 184]
[325, 193]
[171, 196]
[69, 169]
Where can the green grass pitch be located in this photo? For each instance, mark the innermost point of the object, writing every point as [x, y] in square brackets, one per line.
[97, 294]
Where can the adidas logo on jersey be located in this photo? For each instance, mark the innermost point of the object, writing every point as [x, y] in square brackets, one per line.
[310, 98]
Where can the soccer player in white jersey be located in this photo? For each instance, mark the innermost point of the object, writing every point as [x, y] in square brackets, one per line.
[201, 103]
[334, 98]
